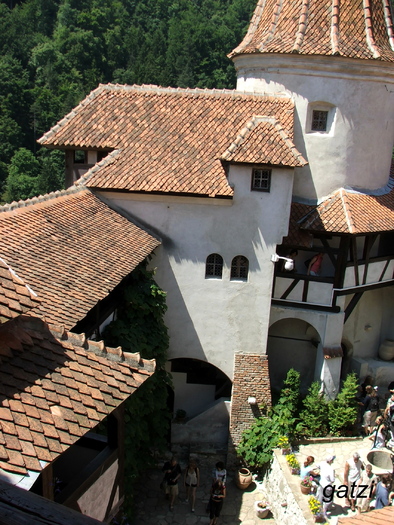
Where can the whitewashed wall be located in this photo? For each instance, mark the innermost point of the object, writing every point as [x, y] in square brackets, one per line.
[357, 151]
[211, 319]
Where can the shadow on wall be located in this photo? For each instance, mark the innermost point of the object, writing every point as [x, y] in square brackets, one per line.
[292, 343]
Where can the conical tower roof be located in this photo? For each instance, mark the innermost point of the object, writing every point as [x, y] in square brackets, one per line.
[360, 29]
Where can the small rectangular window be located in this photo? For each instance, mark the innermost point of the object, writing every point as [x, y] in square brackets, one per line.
[261, 180]
[319, 120]
[80, 157]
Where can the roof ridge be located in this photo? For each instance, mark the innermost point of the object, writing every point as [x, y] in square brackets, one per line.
[302, 22]
[346, 210]
[99, 348]
[335, 27]
[369, 29]
[40, 198]
[106, 160]
[251, 125]
[257, 14]
[188, 91]
[389, 22]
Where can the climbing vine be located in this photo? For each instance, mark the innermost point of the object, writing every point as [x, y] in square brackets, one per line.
[140, 327]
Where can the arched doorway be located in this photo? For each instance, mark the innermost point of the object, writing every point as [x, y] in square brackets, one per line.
[292, 343]
[197, 385]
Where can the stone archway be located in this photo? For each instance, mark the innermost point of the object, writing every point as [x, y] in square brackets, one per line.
[197, 385]
[292, 343]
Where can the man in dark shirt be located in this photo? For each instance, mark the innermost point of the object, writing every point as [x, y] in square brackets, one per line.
[172, 472]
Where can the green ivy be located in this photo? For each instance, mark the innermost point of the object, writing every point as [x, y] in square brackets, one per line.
[139, 327]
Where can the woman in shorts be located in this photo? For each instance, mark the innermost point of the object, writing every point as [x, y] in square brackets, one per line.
[191, 482]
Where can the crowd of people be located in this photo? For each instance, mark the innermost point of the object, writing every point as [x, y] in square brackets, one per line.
[361, 489]
[191, 480]
[377, 420]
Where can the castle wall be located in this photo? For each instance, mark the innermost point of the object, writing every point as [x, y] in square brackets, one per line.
[359, 96]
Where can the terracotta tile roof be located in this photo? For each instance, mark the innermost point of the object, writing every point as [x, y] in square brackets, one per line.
[72, 249]
[375, 517]
[264, 137]
[55, 386]
[296, 236]
[347, 28]
[15, 296]
[346, 211]
[169, 140]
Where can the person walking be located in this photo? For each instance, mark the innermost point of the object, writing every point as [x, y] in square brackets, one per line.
[366, 484]
[218, 493]
[326, 484]
[191, 482]
[352, 475]
[172, 473]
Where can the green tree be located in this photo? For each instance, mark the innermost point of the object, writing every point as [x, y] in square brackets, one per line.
[342, 411]
[314, 415]
[22, 176]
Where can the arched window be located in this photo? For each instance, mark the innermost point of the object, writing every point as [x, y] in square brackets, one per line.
[214, 266]
[239, 268]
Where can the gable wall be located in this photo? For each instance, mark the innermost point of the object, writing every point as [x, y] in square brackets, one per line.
[212, 319]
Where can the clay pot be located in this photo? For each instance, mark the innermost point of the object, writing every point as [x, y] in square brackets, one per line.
[261, 512]
[386, 350]
[305, 490]
[244, 478]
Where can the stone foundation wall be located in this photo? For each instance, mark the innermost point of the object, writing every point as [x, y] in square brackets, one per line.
[281, 489]
[251, 378]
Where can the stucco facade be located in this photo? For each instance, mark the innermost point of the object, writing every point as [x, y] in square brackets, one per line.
[359, 96]
[211, 318]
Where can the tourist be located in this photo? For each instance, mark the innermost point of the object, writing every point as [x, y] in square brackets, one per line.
[378, 434]
[371, 406]
[382, 492]
[326, 486]
[218, 493]
[219, 472]
[172, 473]
[352, 475]
[315, 264]
[367, 481]
[191, 482]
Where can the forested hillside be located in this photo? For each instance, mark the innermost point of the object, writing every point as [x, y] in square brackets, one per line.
[53, 52]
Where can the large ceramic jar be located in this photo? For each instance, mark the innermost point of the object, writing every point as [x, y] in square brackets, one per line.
[244, 478]
[386, 350]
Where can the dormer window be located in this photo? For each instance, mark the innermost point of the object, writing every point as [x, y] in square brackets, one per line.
[320, 118]
[261, 179]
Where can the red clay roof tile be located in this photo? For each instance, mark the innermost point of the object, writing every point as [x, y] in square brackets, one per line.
[181, 152]
[34, 426]
[61, 257]
[15, 296]
[347, 211]
[346, 28]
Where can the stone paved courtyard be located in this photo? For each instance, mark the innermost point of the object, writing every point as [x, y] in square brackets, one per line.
[153, 508]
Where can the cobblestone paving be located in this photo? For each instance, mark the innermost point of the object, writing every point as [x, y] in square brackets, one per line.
[238, 509]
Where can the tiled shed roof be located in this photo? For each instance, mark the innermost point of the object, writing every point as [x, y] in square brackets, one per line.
[15, 296]
[347, 28]
[296, 236]
[346, 211]
[55, 386]
[72, 249]
[171, 140]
